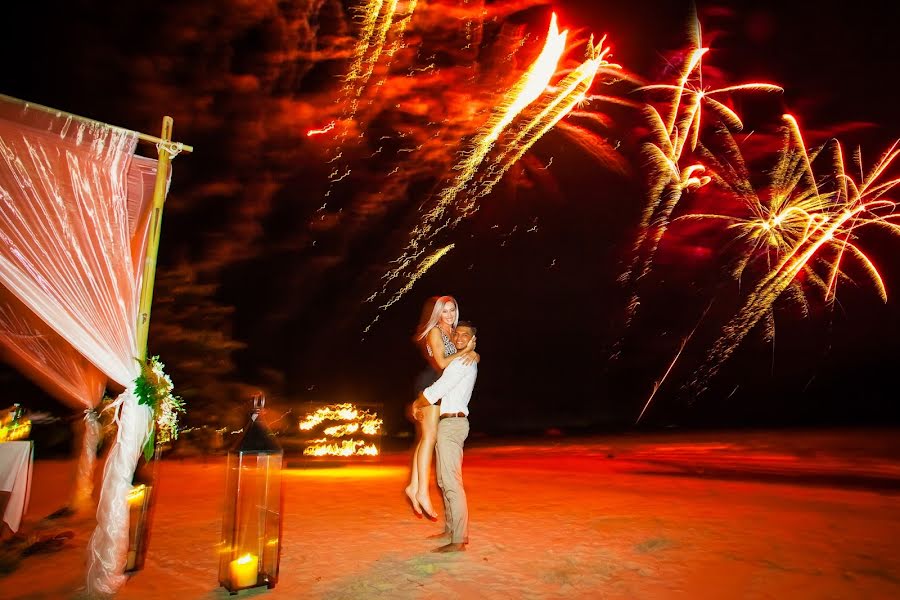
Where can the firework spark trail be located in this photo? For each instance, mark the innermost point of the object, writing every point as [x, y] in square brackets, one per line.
[525, 91]
[568, 94]
[385, 21]
[684, 342]
[354, 80]
[423, 267]
[759, 303]
[378, 18]
[402, 26]
[371, 14]
[565, 96]
[672, 181]
[854, 206]
[375, 25]
[795, 206]
[690, 84]
[669, 185]
[321, 130]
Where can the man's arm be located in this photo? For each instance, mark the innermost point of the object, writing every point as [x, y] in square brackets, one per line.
[416, 409]
[449, 379]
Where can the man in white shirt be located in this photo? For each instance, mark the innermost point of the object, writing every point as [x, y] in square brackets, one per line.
[454, 390]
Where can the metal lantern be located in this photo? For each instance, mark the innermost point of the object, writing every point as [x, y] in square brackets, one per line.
[251, 527]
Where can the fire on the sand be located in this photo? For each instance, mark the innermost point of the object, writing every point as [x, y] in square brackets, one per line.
[342, 438]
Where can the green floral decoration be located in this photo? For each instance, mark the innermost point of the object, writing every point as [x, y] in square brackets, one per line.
[153, 388]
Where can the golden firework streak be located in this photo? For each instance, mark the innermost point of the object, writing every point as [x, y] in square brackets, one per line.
[402, 26]
[423, 267]
[478, 171]
[793, 203]
[355, 80]
[525, 91]
[384, 25]
[377, 19]
[569, 93]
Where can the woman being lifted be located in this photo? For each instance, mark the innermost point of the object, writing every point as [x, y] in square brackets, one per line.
[435, 331]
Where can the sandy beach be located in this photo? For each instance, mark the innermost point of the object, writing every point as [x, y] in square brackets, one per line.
[775, 515]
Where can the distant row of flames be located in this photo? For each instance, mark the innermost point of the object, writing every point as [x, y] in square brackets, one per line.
[342, 438]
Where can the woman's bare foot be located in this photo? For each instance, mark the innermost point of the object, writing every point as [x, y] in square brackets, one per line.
[411, 494]
[425, 504]
[451, 548]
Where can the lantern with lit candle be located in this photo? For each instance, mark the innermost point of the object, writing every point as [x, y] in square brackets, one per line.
[251, 528]
[139, 506]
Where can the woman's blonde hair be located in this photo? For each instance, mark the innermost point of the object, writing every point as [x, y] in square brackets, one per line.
[439, 303]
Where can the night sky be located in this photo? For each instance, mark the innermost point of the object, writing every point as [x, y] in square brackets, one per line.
[271, 265]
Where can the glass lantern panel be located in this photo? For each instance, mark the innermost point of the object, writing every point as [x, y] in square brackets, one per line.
[252, 525]
[139, 503]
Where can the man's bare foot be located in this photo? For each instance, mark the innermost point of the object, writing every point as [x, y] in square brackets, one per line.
[411, 494]
[439, 536]
[425, 504]
[451, 548]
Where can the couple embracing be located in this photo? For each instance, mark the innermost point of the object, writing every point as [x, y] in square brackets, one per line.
[442, 411]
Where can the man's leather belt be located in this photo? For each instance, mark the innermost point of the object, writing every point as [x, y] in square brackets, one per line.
[453, 415]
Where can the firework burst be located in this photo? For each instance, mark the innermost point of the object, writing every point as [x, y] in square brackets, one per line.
[775, 221]
[807, 229]
[671, 154]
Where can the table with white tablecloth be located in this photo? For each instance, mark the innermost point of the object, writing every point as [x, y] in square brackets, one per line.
[16, 460]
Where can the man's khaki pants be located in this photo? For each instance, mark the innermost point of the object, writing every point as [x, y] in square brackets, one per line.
[451, 436]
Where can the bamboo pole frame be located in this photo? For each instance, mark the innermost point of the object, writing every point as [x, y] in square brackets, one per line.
[144, 137]
[137, 542]
[163, 146]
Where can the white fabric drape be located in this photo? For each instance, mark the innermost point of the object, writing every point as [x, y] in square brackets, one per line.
[66, 249]
[71, 248]
[52, 363]
[45, 357]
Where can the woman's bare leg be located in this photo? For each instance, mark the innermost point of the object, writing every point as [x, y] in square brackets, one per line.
[413, 486]
[424, 452]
